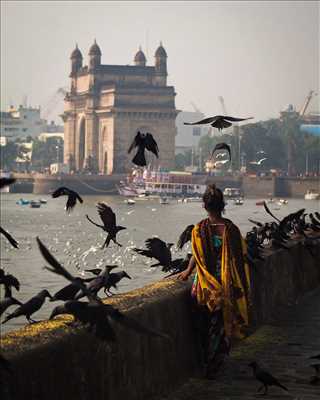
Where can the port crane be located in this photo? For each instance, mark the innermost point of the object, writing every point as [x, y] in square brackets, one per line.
[309, 97]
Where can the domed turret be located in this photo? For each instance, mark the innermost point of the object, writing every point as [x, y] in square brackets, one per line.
[140, 58]
[76, 60]
[161, 60]
[94, 55]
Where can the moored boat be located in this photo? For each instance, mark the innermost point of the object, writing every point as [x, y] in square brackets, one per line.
[22, 202]
[312, 195]
[35, 204]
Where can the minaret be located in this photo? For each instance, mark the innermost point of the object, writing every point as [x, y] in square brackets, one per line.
[161, 65]
[140, 59]
[76, 61]
[94, 56]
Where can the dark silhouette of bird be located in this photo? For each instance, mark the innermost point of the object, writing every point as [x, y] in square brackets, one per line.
[72, 197]
[69, 292]
[218, 121]
[7, 235]
[158, 249]
[30, 307]
[269, 212]
[221, 146]
[98, 283]
[98, 316]
[185, 236]
[113, 279]
[8, 281]
[8, 302]
[143, 141]
[97, 271]
[178, 265]
[108, 217]
[317, 215]
[6, 182]
[317, 357]
[58, 269]
[265, 378]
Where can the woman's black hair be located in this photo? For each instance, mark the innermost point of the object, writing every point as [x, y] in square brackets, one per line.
[213, 199]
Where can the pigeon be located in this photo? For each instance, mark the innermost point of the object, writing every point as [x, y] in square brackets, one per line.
[108, 218]
[72, 197]
[143, 141]
[218, 121]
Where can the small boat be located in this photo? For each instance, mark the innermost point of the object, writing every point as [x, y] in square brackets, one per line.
[43, 201]
[238, 202]
[260, 203]
[193, 200]
[282, 202]
[164, 200]
[312, 195]
[130, 202]
[35, 204]
[23, 202]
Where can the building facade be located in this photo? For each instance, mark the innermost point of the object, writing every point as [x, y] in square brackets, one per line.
[108, 104]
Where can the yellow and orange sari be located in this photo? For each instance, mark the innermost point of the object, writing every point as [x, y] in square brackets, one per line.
[230, 293]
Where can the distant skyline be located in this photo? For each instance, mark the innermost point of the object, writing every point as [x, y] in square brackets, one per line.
[260, 56]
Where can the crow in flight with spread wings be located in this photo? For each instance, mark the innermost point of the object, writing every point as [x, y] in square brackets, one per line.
[185, 237]
[143, 141]
[108, 218]
[218, 121]
[72, 197]
[158, 249]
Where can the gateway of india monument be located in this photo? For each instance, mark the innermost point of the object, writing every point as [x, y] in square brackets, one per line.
[108, 104]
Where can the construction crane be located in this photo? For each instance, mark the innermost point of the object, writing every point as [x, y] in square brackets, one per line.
[223, 106]
[307, 102]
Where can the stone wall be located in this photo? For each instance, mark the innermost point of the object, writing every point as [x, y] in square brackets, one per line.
[52, 361]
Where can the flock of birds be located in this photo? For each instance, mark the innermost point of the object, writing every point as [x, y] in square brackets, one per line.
[94, 314]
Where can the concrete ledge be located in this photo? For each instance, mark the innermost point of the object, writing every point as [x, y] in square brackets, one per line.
[52, 361]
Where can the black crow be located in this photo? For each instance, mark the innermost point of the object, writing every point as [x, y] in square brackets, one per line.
[185, 236]
[12, 241]
[113, 279]
[30, 307]
[221, 146]
[69, 292]
[265, 378]
[7, 302]
[143, 141]
[72, 197]
[158, 249]
[6, 182]
[58, 269]
[97, 283]
[179, 265]
[108, 218]
[218, 121]
[8, 281]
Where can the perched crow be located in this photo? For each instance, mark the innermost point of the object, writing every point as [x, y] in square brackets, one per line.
[158, 249]
[108, 218]
[218, 121]
[113, 279]
[265, 378]
[13, 242]
[185, 236]
[6, 182]
[72, 197]
[179, 265]
[143, 141]
[221, 146]
[7, 302]
[30, 307]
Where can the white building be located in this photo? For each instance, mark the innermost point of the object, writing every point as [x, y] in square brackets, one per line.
[188, 136]
[24, 121]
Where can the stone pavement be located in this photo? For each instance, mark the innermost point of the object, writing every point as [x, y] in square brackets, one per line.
[282, 347]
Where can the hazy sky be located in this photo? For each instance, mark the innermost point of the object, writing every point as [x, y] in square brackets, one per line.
[260, 56]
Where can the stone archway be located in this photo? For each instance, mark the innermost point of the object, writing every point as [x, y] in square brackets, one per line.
[82, 144]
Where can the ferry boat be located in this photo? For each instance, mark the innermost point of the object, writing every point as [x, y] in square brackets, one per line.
[35, 204]
[312, 195]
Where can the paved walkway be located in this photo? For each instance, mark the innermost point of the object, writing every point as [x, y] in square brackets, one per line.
[282, 347]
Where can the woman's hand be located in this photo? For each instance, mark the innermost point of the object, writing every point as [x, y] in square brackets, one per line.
[184, 275]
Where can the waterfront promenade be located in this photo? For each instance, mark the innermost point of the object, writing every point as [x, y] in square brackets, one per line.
[283, 347]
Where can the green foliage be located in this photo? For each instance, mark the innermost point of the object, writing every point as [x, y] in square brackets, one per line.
[9, 153]
[46, 153]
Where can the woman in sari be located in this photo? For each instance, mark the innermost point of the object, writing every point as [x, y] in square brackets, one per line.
[221, 284]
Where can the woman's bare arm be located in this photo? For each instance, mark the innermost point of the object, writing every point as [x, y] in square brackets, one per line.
[183, 276]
